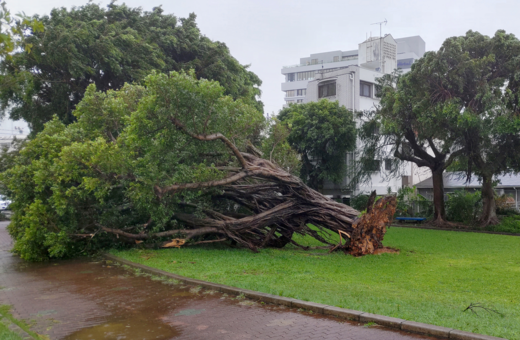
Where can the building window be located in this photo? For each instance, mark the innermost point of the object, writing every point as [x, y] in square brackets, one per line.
[305, 75]
[388, 164]
[374, 166]
[289, 101]
[314, 61]
[302, 92]
[327, 89]
[335, 59]
[290, 77]
[349, 57]
[366, 89]
[299, 100]
[290, 93]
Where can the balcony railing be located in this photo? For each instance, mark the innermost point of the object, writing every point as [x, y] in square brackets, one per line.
[320, 62]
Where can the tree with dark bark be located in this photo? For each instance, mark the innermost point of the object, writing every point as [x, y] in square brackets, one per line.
[477, 79]
[322, 133]
[406, 128]
[168, 164]
[50, 71]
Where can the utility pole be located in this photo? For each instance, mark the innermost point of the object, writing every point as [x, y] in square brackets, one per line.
[380, 43]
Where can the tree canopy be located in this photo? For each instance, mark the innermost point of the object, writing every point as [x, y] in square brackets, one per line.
[109, 47]
[322, 133]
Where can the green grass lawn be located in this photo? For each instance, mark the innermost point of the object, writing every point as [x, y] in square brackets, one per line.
[434, 278]
[6, 334]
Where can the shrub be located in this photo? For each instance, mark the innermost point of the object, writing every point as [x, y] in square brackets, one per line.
[410, 203]
[359, 202]
[508, 224]
[463, 206]
[505, 205]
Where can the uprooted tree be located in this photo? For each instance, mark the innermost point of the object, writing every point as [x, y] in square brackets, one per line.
[168, 163]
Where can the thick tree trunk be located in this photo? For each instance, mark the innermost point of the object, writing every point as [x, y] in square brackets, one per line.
[489, 209]
[439, 213]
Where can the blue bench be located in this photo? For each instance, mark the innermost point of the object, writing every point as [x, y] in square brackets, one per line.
[411, 219]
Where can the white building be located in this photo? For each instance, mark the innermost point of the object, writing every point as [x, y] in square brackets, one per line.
[6, 142]
[349, 77]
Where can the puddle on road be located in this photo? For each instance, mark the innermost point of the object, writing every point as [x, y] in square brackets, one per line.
[113, 303]
[135, 328]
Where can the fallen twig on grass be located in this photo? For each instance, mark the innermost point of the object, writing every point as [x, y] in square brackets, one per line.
[472, 307]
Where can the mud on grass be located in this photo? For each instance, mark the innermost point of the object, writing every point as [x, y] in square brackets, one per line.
[436, 275]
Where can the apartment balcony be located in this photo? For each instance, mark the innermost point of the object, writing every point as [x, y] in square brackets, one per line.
[294, 85]
[318, 66]
[321, 62]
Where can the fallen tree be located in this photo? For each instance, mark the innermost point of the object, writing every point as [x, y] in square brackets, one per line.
[280, 205]
[169, 164]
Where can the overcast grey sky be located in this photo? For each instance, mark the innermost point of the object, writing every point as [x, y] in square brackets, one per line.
[271, 33]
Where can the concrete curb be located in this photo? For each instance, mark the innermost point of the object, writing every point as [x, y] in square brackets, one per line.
[409, 326]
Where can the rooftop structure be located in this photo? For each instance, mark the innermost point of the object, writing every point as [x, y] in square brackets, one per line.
[374, 53]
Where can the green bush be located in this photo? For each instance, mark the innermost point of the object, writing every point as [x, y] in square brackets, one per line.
[508, 212]
[505, 206]
[463, 206]
[508, 224]
[359, 202]
[411, 204]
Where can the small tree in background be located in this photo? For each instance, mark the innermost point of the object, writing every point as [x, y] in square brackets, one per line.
[276, 148]
[321, 132]
[405, 127]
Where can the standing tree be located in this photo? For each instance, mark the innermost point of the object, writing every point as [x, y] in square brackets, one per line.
[167, 160]
[322, 133]
[276, 148]
[108, 47]
[476, 79]
[407, 128]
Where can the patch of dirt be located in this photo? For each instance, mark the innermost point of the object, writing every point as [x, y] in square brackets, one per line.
[386, 250]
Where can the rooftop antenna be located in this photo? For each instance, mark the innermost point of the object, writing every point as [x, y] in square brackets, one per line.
[380, 42]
